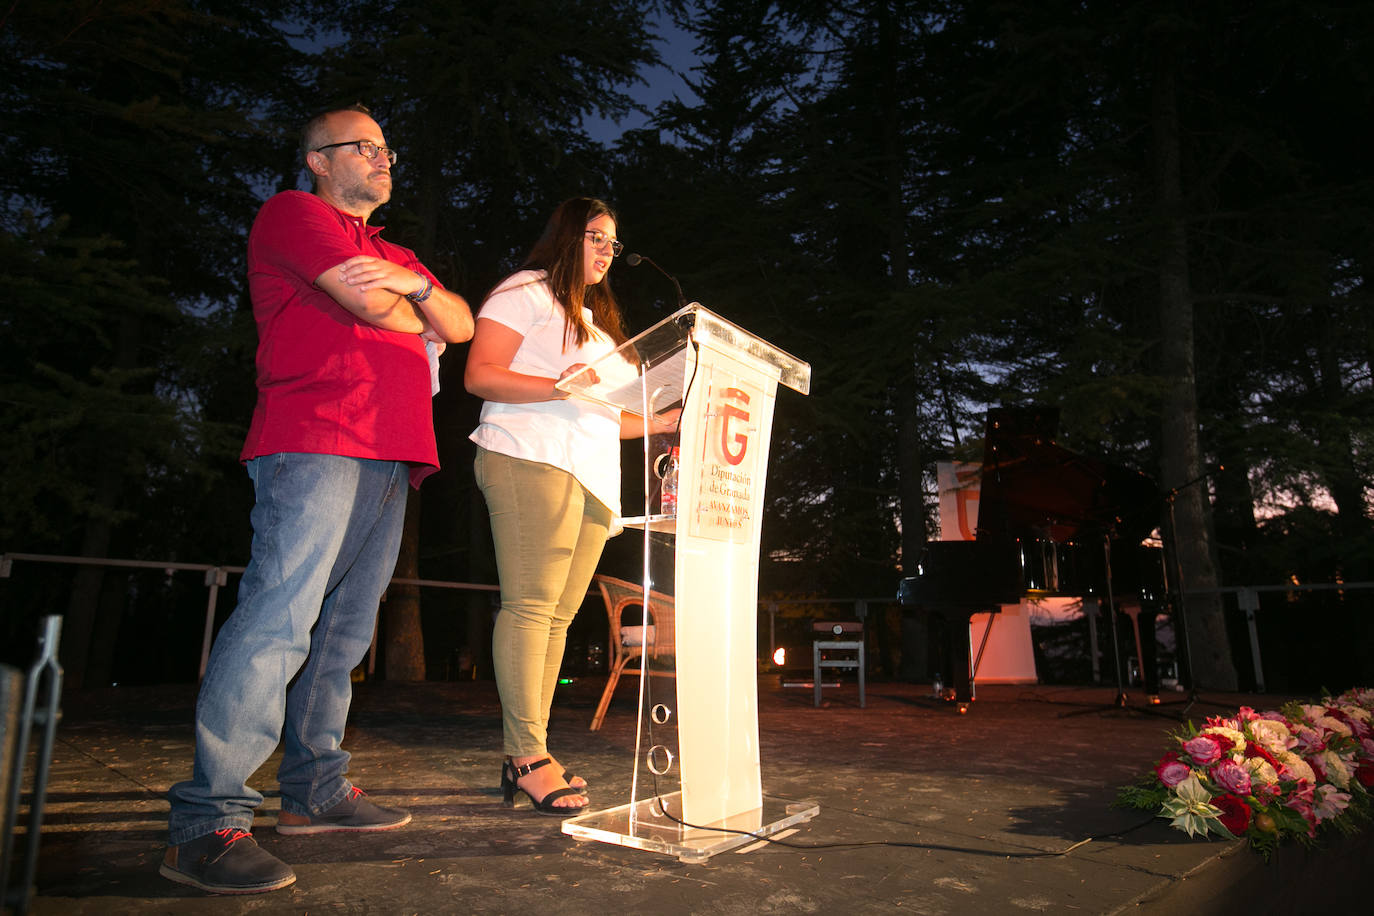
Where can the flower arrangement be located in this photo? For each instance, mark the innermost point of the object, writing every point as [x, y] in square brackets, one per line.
[1267, 776]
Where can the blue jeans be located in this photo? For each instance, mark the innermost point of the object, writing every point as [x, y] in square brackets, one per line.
[326, 531]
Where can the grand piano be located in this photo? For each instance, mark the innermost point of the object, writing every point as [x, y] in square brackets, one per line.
[1050, 523]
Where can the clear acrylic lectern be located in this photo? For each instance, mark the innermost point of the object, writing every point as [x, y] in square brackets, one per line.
[696, 789]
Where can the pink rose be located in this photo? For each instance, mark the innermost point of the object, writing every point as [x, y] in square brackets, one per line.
[1204, 749]
[1171, 770]
[1309, 739]
[1232, 777]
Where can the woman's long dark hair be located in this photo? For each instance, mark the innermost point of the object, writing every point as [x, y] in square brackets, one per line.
[559, 254]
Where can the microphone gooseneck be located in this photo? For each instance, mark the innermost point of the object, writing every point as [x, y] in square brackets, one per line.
[634, 260]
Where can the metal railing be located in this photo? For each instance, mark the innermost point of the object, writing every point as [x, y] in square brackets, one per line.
[1247, 599]
[216, 577]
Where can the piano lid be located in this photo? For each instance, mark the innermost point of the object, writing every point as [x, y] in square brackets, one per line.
[1032, 486]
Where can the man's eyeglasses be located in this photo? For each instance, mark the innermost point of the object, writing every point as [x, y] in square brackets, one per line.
[600, 240]
[366, 148]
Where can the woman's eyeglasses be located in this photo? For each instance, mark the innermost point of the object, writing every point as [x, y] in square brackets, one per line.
[600, 240]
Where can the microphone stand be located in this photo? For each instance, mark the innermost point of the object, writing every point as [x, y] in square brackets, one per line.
[1184, 639]
[1119, 702]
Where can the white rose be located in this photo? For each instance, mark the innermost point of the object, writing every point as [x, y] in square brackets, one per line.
[1297, 767]
[1334, 725]
[1272, 736]
[1335, 768]
[1261, 771]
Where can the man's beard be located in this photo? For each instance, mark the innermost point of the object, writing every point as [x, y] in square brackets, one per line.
[365, 192]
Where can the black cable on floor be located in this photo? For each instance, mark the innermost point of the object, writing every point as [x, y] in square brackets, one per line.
[858, 844]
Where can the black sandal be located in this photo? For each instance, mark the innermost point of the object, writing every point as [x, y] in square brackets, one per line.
[510, 776]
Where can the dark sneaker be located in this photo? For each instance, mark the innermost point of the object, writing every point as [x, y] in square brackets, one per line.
[228, 861]
[355, 814]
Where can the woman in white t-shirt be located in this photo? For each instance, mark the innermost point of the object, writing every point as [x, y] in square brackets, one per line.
[549, 467]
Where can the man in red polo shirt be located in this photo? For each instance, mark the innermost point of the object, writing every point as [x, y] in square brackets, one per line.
[342, 423]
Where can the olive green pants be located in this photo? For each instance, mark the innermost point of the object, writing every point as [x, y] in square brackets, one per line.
[549, 533]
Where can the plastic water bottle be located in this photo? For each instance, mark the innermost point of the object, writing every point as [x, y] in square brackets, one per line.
[938, 686]
[668, 495]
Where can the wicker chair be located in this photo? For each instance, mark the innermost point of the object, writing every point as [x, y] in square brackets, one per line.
[628, 641]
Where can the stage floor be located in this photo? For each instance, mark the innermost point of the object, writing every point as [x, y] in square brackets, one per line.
[986, 812]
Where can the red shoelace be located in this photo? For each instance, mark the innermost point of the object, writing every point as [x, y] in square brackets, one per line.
[232, 835]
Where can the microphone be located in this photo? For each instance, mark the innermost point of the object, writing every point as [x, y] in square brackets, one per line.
[634, 260]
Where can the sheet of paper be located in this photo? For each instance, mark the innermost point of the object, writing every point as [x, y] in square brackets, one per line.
[665, 381]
